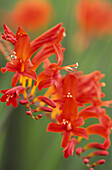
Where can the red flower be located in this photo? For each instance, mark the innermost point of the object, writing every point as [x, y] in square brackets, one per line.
[51, 75]
[69, 149]
[86, 87]
[95, 17]
[20, 61]
[11, 95]
[31, 15]
[54, 35]
[68, 122]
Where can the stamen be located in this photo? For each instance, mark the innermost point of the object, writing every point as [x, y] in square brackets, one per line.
[64, 34]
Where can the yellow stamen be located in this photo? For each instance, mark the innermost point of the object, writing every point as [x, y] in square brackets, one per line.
[33, 89]
[21, 79]
[29, 82]
[24, 82]
[79, 139]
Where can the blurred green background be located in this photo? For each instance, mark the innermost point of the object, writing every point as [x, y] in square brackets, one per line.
[24, 143]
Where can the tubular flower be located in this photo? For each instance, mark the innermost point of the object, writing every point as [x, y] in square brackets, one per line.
[86, 88]
[31, 15]
[11, 95]
[21, 60]
[51, 75]
[68, 122]
[69, 149]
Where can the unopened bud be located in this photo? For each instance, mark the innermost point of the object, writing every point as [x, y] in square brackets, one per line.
[98, 163]
[29, 113]
[47, 101]
[86, 161]
[46, 109]
[23, 102]
[79, 151]
[38, 117]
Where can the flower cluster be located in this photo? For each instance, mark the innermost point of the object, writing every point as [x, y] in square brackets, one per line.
[70, 99]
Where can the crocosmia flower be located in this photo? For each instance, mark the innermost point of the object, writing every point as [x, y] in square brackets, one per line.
[69, 101]
[30, 14]
[11, 95]
[69, 123]
[95, 16]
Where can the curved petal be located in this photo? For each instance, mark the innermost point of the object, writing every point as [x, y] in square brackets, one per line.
[9, 35]
[45, 83]
[59, 53]
[3, 98]
[22, 47]
[70, 84]
[65, 140]
[3, 69]
[54, 127]
[48, 37]
[98, 129]
[88, 113]
[15, 79]
[31, 74]
[43, 54]
[78, 122]
[4, 91]
[9, 67]
[70, 109]
[14, 103]
[80, 132]
[20, 32]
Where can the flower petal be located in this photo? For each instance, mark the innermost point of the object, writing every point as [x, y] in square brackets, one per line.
[59, 53]
[9, 35]
[44, 53]
[97, 129]
[80, 132]
[15, 79]
[65, 140]
[70, 109]
[54, 127]
[22, 47]
[50, 36]
[78, 122]
[31, 74]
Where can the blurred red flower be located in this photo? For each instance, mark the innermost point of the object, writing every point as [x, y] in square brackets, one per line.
[95, 17]
[30, 14]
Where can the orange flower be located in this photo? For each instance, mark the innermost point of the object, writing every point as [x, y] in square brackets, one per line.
[11, 95]
[68, 122]
[94, 16]
[30, 14]
[20, 62]
[69, 149]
